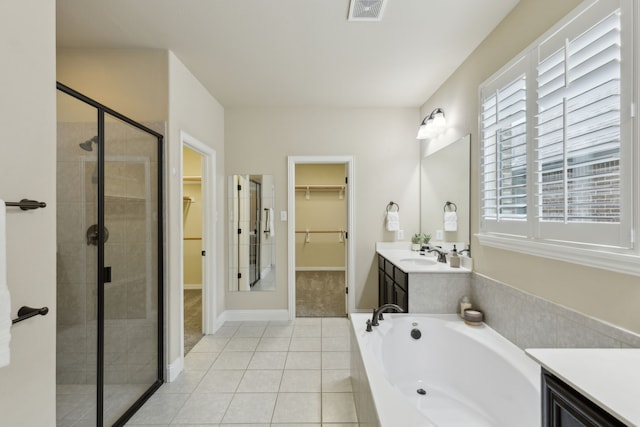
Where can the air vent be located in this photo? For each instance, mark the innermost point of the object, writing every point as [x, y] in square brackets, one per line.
[366, 10]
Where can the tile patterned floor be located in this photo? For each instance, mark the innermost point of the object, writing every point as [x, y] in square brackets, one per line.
[260, 374]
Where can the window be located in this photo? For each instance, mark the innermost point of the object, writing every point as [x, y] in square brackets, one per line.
[556, 133]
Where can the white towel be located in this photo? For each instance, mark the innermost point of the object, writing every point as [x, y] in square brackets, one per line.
[393, 221]
[271, 223]
[450, 221]
[5, 298]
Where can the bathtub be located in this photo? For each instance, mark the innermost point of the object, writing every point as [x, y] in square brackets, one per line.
[471, 376]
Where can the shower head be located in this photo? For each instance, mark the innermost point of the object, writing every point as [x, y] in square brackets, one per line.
[86, 146]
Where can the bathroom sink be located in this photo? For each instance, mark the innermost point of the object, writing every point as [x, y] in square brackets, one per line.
[418, 261]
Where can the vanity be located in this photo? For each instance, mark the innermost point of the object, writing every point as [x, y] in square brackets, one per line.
[418, 283]
[589, 387]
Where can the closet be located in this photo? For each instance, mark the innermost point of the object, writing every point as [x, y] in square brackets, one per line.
[320, 228]
[192, 246]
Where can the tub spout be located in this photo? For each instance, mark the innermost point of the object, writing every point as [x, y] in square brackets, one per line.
[377, 312]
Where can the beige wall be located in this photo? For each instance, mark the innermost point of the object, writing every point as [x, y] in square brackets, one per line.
[194, 111]
[608, 296]
[27, 146]
[386, 156]
[131, 81]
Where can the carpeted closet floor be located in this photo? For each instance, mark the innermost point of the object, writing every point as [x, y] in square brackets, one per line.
[192, 318]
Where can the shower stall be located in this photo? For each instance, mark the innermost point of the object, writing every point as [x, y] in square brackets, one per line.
[109, 262]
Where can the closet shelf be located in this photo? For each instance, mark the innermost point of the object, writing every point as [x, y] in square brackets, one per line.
[340, 188]
[319, 231]
[320, 187]
[191, 179]
[192, 238]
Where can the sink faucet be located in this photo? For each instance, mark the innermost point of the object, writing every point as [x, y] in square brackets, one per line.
[467, 250]
[377, 314]
[442, 256]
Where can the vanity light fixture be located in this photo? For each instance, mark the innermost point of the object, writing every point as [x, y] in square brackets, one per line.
[432, 125]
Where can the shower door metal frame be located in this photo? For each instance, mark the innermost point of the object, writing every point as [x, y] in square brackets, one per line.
[102, 110]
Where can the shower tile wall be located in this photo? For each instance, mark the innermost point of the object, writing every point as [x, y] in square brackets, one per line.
[130, 298]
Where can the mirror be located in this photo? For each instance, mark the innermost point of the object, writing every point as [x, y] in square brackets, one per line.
[251, 233]
[445, 178]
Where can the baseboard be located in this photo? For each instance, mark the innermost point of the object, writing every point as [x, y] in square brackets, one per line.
[174, 369]
[253, 315]
[192, 286]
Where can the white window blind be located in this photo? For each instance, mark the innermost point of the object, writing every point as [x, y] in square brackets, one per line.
[578, 134]
[504, 150]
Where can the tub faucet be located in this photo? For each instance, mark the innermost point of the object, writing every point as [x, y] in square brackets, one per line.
[377, 314]
[442, 256]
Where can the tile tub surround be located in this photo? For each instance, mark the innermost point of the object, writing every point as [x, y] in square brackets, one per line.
[532, 322]
[261, 374]
[437, 293]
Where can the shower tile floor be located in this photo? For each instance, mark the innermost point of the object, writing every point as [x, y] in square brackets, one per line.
[76, 403]
[261, 374]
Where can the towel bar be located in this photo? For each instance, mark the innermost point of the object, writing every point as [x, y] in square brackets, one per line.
[451, 209]
[25, 313]
[391, 205]
[26, 204]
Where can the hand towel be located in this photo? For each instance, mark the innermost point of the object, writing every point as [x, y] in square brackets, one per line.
[393, 221]
[450, 221]
[5, 298]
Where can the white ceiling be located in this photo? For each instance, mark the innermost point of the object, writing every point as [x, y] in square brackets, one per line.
[294, 52]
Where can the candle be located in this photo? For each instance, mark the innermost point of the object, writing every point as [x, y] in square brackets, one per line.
[473, 317]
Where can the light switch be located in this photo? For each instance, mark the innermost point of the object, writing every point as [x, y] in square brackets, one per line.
[439, 235]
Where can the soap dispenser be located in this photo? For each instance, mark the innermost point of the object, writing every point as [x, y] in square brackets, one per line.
[454, 259]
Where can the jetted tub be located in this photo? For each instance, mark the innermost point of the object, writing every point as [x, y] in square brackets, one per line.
[453, 375]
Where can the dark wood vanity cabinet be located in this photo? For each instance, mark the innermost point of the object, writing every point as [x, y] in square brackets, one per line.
[562, 406]
[393, 284]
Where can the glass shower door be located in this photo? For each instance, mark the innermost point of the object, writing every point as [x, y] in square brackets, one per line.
[130, 268]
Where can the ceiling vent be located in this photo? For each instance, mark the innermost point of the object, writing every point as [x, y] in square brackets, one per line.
[366, 10]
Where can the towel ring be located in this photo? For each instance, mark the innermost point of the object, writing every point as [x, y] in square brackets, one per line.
[391, 205]
[448, 205]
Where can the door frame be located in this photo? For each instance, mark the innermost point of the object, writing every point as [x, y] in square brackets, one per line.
[209, 191]
[350, 173]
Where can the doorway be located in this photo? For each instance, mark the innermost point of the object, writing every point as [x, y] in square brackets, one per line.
[321, 251]
[199, 239]
[192, 246]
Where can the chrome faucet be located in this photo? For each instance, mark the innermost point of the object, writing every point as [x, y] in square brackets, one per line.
[377, 314]
[442, 256]
[467, 250]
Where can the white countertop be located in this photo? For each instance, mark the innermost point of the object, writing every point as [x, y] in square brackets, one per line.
[412, 262]
[609, 377]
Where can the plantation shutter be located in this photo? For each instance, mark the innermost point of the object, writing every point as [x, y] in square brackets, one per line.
[503, 128]
[579, 132]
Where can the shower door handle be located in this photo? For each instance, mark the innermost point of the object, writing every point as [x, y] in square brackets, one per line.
[107, 274]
